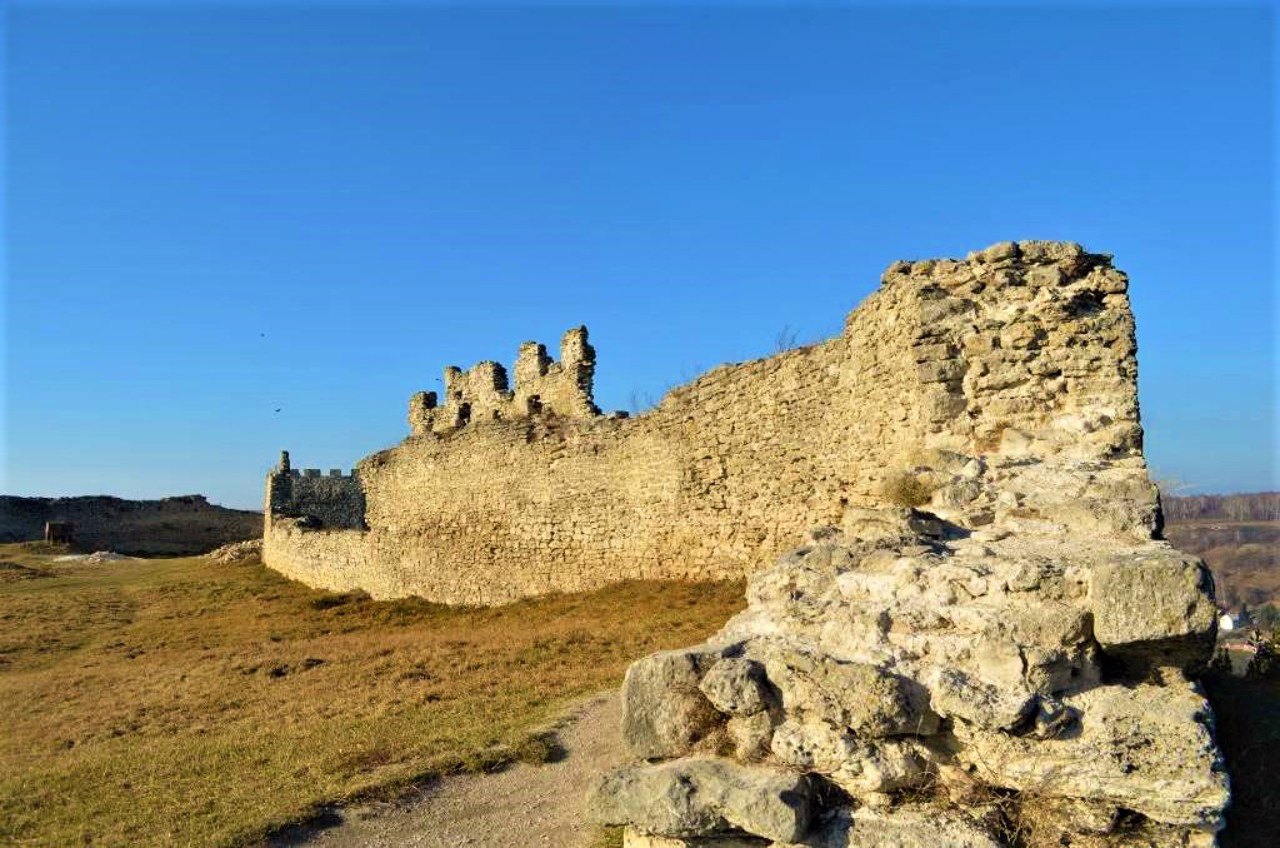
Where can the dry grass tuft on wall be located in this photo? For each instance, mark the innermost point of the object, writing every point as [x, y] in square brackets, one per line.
[907, 490]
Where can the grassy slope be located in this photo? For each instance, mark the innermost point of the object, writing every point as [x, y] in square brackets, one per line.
[179, 701]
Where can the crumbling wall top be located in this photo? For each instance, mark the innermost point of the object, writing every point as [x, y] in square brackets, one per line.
[483, 393]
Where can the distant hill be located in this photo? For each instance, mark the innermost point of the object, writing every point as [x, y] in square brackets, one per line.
[177, 526]
[1238, 536]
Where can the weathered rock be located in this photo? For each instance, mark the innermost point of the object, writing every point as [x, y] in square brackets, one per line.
[751, 735]
[1146, 748]
[664, 713]
[859, 767]
[863, 647]
[735, 686]
[867, 700]
[908, 826]
[1002, 626]
[957, 694]
[705, 797]
[890, 525]
[1154, 606]
[632, 838]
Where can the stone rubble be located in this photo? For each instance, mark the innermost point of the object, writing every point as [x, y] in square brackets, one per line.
[936, 685]
[238, 552]
[1000, 651]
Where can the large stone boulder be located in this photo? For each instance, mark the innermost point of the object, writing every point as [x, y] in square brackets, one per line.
[1146, 748]
[702, 796]
[666, 714]
[1154, 607]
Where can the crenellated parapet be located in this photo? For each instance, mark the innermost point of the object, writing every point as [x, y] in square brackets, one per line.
[334, 500]
[543, 386]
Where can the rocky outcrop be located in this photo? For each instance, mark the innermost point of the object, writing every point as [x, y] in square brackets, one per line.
[912, 682]
[1013, 662]
[999, 652]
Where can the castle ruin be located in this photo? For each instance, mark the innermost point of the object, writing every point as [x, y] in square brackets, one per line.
[997, 388]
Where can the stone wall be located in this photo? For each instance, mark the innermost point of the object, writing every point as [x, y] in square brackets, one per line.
[334, 501]
[998, 387]
[177, 526]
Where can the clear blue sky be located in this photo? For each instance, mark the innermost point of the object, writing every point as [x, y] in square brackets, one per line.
[217, 211]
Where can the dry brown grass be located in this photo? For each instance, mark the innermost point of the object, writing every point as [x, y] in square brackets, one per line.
[178, 701]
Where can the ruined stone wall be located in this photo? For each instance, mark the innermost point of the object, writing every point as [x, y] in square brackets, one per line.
[967, 385]
[335, 501]
[176, 526]
[543, 387]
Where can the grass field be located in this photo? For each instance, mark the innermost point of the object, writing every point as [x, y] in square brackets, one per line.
[179, 701]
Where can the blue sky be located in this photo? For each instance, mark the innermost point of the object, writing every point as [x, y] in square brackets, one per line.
[216, 211]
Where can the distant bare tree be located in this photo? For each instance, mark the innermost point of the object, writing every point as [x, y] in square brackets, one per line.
[1252, 506]
[639, 401]
[1170, 487]
[786, 339]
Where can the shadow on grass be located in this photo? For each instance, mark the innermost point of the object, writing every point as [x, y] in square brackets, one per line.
[304, 832]
[1248, 728]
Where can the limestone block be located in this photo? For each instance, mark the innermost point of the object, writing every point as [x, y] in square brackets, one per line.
[1145, 748]
[664, 713]
[705, 797]
[632, 838]
[859, 767]
[909, 826]
[1154, 606]
[867, 700]
[735, 686]
[954, 693]
[751, 735]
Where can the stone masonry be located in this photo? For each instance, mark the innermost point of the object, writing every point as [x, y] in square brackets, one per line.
[1000, 387]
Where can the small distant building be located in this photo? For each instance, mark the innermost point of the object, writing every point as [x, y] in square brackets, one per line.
[58, 531]
[1232, 621]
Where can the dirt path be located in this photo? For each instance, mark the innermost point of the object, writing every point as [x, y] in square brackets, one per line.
[523, 805]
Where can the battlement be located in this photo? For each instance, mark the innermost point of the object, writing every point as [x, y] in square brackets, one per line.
[336, 500]
[484, 393]
[312, 473]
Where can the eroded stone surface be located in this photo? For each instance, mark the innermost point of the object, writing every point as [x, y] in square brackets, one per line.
[666, 713]
[969, 663]
[706, 797]
[1145, 748]
[1013, 652]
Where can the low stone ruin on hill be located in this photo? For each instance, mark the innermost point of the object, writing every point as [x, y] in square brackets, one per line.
[174, 526]
[1006, 657]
